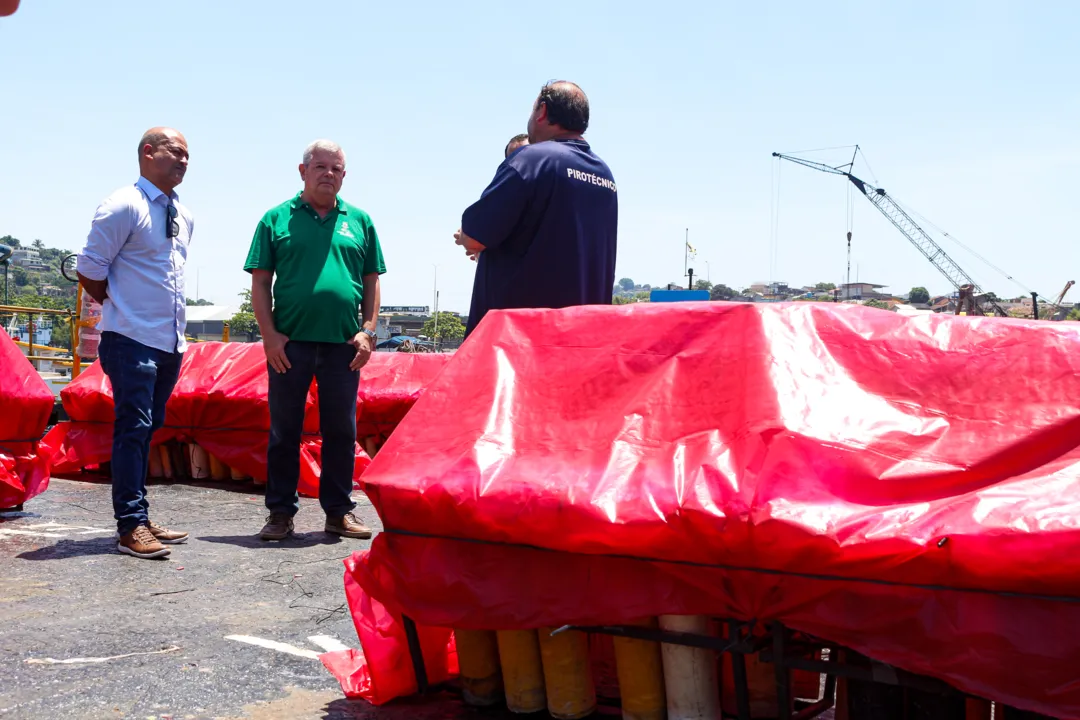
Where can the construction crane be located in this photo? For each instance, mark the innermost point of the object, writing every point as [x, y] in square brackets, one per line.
[904, 223]
[1057, 303]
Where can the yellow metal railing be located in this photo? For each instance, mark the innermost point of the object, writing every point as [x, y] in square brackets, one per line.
[73, 322]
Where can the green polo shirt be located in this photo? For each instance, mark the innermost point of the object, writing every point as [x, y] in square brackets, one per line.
[320, 264]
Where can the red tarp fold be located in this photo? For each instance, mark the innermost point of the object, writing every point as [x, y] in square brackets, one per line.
[220, 402]
[25, 405]
[903, 486]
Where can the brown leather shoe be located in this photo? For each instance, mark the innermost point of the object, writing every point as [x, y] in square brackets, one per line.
[347, 526]
[166, 536]
[278, 527]
[141, 544]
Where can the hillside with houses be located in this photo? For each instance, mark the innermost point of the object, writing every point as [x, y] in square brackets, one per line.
[917, 299]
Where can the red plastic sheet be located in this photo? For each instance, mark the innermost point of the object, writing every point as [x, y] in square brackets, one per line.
[220, 402]
[390, 385]
[903, 486]
[25, 405]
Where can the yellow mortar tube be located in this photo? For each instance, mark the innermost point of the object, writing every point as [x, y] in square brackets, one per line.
[641, 677]
[218, 470]
[478, 659]
[154, 469]
[166, 461]
[567, 674]
[237, 475]
[522, 671]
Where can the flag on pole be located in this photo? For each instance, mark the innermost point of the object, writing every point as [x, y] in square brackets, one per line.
[690, 249]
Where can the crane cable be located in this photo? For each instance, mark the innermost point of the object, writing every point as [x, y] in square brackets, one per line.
[970, 250]
[774, 220]
[931, 224]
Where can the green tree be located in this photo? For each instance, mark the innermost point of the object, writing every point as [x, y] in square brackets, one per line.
[244, 321]
[1074, 314]
[721, 291]
[39, 245]
[824, 287]
[11, 241]
[919, 295]
[20, 277]
[198, 303]
[623, 300]
[626, 284]
[877, 304]
[703, 285]
[450, 327]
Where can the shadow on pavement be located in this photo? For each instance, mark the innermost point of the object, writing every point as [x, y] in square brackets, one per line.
[437, 706]
[71, 549]
[299, 540]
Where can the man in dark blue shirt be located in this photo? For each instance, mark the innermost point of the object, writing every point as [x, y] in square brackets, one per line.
[545, 229]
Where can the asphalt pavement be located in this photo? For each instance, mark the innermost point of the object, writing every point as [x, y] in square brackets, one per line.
[86, 632]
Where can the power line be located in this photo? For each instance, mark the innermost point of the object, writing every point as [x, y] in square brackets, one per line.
[798, 152]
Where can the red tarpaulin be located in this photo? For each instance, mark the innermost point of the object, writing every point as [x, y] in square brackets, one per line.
[906, 487]
[220, 402]
[25, 405]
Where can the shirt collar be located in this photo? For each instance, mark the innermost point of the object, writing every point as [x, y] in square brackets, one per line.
[298, 203]
[153, 192]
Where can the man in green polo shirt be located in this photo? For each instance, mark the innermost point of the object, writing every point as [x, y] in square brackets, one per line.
[317, 321]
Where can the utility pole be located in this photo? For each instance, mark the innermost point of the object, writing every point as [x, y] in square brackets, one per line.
[436, 321]
[5, 253]
[436, 291]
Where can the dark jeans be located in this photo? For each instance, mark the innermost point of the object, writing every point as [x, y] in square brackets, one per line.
[142, 379]
[328, 363]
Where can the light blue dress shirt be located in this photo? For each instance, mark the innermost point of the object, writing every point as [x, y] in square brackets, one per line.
[128, 245]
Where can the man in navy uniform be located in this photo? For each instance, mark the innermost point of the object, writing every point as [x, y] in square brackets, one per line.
[544, 231]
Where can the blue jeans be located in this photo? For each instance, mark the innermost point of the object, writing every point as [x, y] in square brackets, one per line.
[328, 363]
[142, 379]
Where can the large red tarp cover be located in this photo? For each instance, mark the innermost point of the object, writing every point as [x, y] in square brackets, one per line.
[25, 405]
[906, 487]
[220, 402]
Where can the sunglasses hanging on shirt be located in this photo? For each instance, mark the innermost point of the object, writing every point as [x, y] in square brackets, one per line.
[173, 230]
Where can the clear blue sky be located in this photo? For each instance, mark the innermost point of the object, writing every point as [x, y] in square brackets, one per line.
[967, 112]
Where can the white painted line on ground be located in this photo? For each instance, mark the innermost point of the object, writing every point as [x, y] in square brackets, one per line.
[57, 527]
[273, 645]
[27, 532]
[328, 643]
[77, 661]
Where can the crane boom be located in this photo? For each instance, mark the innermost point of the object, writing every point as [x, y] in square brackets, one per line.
[901, 220]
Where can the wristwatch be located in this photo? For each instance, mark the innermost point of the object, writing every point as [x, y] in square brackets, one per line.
[370, 334]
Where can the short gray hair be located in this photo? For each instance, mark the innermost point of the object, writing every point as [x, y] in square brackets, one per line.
[328, 145]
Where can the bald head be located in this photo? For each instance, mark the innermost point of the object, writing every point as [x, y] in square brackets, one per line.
[156, 136]
[561, 110]
[163, 157]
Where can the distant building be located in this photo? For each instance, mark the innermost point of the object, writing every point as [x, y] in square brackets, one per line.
[28, 258]
[862, 291]
[51, 291]
[207, 322]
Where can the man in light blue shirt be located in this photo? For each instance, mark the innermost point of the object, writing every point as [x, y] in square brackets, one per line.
[133, 264]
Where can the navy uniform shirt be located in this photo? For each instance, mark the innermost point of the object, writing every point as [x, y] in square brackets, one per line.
[548, 222]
